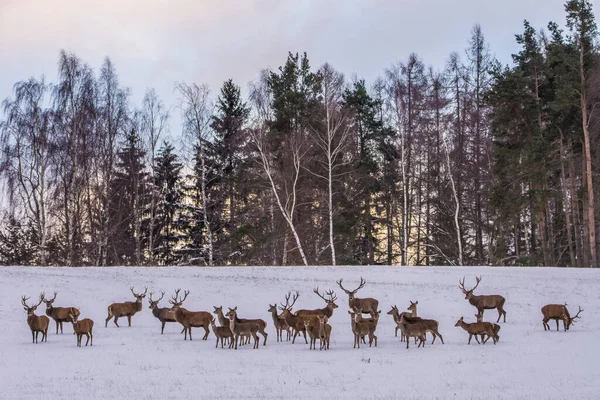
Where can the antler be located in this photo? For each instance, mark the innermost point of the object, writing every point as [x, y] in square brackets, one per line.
[156, 301]
[174, 300]
[578, 312]
[477, 284]
[143, 294]
[332, 295]
[461, 285]
[288, 306]
[24, 300]
[340, 285]
[41, 299]
[185, 295]
[319, 294]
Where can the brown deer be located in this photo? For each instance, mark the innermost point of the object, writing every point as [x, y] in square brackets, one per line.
[279, 322]
[324, 332]
[479, 328]
[496, 326]
[262, 324]
[83, 327]
[295, 322]
[190, 319]
[164, 315]
[126, 309]
[431, 324]
[327, 311]
[487, 302]
[222, 333]
[313, 333]
[413, 328]
[362, 327]
[396, 314]
[367, 305]
[558, 312]
[37, 323]
[58, 314]
[238, 327]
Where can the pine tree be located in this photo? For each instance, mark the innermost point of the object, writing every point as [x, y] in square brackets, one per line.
[127, 202]
[167, 223]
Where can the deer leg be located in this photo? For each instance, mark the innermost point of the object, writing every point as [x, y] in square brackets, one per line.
[207, 332]
[57, 323]
[115, 321]
[470, 336]
[478, 342]
[304, 333]
[61, 327]
[87, 335]
[91, 338]
[129, 320]
[375, 337]
[265, 334]
[396, 331]
[107, 319]
[162, 328]
[190, 330]
[407, 341]
[441, 338]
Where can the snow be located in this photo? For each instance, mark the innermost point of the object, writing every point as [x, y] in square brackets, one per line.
[139, 362]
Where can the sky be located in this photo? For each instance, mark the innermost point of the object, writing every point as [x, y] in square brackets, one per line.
[156, 43]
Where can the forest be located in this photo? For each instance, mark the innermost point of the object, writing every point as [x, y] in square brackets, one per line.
[472, 163]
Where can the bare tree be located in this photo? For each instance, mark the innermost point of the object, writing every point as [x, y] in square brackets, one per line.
[26, 139]
[154, 119]
[332, 139]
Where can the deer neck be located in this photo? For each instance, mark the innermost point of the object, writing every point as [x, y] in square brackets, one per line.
[413, 311]
[233, 323]
[474, 300]
[49, 310]
[156, 311]
[222, 320]
[464, 325]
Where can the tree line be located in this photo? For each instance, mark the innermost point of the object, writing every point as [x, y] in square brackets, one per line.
[475, 164]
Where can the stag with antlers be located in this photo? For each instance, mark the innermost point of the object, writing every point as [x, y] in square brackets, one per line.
[37, 323]
[164, 314]
[329, 307]
[126, 309]
[190, 319]
[294, 321]
[558, 312]
[58, 314]
[366, 305]
[484, 302]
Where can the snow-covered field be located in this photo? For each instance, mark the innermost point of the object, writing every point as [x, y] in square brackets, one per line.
[140, 363]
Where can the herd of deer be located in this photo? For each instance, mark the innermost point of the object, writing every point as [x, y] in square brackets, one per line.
[233, 330]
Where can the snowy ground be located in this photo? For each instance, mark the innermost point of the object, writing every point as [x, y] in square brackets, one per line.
[138, 362]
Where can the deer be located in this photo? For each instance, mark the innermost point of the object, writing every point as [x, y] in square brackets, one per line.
[37, 323]
[295, 322]
[279, 322]
[558, 312]
[313, 333]
[484, 302]
[431, 324]
[238, 327]
[58, 314]
[164, 315]
[413, 328]
[83, 327]
[367, 305]
[396, 314]
[190, 319]
[479, 318]
[324, 332]
[262, 324]
[479, 328]
[126, 309]
[222, 332]
[362, 327]
[327, 311]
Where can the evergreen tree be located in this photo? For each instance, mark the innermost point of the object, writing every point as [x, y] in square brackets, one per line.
[127, 202]
[167, 223]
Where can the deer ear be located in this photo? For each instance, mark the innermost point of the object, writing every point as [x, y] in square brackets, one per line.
[25, 308]
[417, 302]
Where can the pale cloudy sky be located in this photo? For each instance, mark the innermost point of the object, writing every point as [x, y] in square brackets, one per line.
[154, 43]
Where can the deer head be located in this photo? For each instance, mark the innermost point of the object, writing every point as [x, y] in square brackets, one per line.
[48, 302]
[572, 320]
[232, 313]
[330, 300]
[272, 308]
[393, 311]
[139, 297]
[352, 293]
[176, 301]
[154, 303]
[30, 310]
[468, 293]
